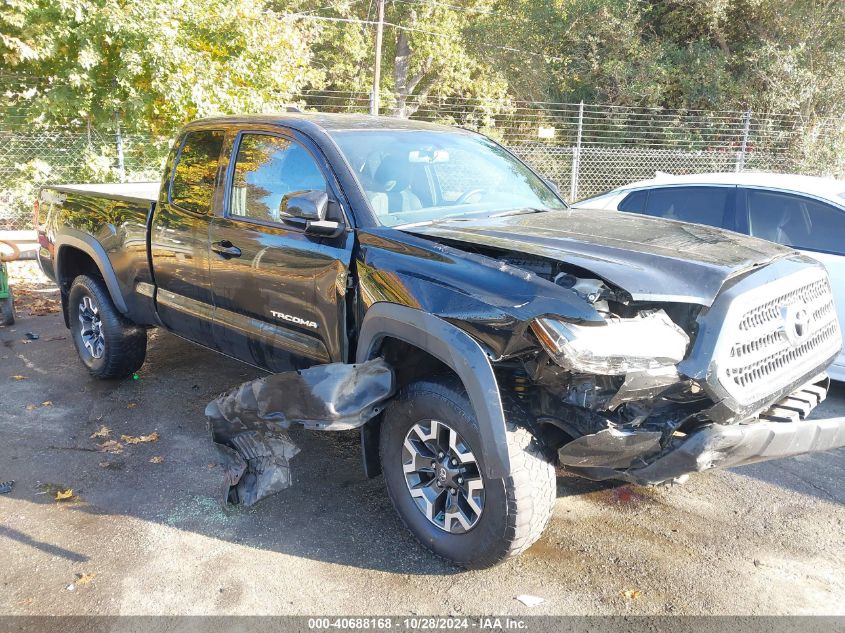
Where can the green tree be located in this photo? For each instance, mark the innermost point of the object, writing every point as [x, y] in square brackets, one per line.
[154, 63]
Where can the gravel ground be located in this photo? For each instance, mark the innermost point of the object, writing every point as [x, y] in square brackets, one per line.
[140, 537]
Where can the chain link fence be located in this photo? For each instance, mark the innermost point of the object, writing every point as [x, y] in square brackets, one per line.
[584, 149]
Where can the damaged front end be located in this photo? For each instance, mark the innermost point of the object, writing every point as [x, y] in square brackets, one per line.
[656, 391]
[249, 423]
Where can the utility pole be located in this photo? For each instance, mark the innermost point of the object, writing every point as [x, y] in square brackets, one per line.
[374, 96]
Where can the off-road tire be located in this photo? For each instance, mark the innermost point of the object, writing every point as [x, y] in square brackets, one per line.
[516, 509]
[7, 310]
[125, 343]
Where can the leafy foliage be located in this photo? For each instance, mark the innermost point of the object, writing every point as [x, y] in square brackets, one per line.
[151, 63]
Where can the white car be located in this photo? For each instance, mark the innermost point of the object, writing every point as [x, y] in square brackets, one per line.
[804, 212]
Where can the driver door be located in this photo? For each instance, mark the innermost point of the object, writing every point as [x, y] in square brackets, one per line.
[278, 291]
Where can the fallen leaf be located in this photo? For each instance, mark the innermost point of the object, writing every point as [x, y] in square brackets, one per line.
[47, 403]
[19, 377]
[210, 466]
[31, 407]
[64, 495]
[111, 446]
[84, 579]
[103, 432]
[140, 439]
[131, 405]
[158, 459]
[631, 594]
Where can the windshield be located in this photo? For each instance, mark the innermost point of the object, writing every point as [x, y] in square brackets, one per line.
[412, 176]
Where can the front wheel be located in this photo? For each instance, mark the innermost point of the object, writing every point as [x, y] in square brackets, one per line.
[109, 345]
[434, 475]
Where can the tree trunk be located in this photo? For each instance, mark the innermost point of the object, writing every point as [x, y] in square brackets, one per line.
[404, 86]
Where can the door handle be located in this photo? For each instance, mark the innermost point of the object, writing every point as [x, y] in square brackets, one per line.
[226, 249]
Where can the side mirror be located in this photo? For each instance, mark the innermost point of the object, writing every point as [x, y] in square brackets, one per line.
[304, 205]
[309, 207]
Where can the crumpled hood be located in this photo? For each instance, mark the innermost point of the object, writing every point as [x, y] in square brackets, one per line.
[651, 258]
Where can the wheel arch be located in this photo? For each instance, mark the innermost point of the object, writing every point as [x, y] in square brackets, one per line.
[70, 245]
[455, 349]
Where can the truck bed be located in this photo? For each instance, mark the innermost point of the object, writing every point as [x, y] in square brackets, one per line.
[141, 192]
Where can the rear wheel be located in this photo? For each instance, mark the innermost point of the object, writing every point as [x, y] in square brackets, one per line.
[434, 473]
[109, 345]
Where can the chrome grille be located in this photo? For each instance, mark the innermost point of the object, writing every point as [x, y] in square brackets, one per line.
[776, 333]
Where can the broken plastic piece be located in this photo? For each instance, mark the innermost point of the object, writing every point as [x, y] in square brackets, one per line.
[333, 397]
[6, 487]
[611, 448]
[248, 424]
[641, 385]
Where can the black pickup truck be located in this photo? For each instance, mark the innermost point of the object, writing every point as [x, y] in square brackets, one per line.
[520, 334]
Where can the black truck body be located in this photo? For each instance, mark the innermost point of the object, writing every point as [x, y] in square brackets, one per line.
[496, 302]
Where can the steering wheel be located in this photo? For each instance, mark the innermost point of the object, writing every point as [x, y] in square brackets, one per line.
[464, 197]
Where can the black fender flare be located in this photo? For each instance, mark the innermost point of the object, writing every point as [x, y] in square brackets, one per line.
[74, 238]
[460, 352]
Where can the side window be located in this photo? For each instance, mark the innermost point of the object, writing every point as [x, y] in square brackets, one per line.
[634, 202]
[196, 168]
[796, 221]
[701, 205]
[267, 169]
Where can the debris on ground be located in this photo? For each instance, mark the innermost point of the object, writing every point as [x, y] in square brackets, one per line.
[31, 336]
[65, 495]
[111, 446]
[248, 423]
[6, 487]
[140, 439]
[103, 432]
[18, 377]
[82, 579]
[529, 600]
[157, 459]
[631, 594]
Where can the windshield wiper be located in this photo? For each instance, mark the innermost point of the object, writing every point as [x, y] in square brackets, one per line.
[524, 211]
[501, 214]
[471, 217]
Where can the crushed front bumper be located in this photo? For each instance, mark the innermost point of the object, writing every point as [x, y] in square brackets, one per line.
[783, 430]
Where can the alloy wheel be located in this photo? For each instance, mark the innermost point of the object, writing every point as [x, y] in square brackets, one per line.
[92, 328]
[443, 476]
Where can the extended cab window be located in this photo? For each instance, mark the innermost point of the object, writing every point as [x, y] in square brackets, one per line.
[196, 168]
[796, 221]
[701, 205]
[267, 169]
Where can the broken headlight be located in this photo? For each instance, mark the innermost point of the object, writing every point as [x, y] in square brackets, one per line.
[616, 347]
